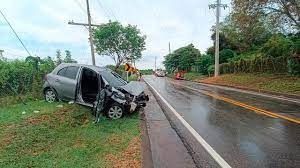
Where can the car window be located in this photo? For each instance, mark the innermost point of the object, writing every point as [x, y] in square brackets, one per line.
[62, 71]
[71, 72]
[113, 78]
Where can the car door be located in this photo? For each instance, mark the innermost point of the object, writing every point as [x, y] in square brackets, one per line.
[66, 82]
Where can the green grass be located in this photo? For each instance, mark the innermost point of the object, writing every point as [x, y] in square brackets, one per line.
[61, 136]
[193, 76]
[133, 77]
[280, 83]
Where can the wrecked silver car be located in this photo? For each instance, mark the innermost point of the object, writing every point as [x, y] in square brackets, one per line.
[97, 87]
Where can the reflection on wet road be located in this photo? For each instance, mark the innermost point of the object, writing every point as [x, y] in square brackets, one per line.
[229, 122]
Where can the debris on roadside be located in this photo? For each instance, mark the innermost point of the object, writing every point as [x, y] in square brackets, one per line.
[36, 111]
[60, 106]
[23, 112]
[71, 102]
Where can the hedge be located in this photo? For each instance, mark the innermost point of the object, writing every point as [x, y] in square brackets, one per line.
[270, 65]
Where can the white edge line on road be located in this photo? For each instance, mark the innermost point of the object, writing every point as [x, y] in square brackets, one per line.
[205, 145]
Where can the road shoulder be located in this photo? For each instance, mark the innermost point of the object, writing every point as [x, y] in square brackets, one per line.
[166, 146]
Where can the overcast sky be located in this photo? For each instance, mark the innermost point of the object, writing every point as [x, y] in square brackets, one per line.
[42, 25]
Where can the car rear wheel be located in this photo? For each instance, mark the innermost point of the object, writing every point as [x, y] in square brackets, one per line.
[115, 111]
[50, 96]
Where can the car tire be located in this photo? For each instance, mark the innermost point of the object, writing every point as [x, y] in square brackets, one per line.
[115, 111]
[50, 95]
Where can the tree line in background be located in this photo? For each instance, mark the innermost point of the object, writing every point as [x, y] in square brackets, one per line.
[25, 76]
[257, 36]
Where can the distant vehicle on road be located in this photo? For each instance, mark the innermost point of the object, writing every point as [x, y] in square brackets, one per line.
[179, 75]
[97, 87]
[160, 73]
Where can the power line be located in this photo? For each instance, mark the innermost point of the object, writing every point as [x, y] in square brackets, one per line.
[108, 12]
[82, 8]
[15, 33]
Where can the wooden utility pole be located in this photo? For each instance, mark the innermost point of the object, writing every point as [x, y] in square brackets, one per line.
[90, 32]
[89, 25]
[217, 6]
[155, 64]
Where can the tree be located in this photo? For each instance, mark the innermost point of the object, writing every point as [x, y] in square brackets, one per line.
[283, 14]
[182, 59]
[68, 57]
[226, 55]
[203, 62]
[277, 46]
[58, 57]
[34, 61]
[119, 42]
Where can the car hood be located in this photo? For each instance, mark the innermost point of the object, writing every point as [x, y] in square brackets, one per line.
[134, 87]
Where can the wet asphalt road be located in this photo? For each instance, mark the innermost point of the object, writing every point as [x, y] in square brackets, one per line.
[242, 137]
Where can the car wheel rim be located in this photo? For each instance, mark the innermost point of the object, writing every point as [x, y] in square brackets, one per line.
[50, 96]
[115, 112]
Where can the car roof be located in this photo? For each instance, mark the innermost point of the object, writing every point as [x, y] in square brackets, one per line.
[93, 67]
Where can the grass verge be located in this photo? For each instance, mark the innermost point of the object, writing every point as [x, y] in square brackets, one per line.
[193, 76]
[279, 83]
[40, 134]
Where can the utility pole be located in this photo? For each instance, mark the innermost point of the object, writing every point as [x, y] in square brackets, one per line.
[169, 48]
[155, 64]
[217, 6]
[90, 32]
[89, 25]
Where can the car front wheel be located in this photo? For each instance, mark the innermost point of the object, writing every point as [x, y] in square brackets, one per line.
[50, 96]
[115, 111]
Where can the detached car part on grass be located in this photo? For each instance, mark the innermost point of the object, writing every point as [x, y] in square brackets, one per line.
[97, 87]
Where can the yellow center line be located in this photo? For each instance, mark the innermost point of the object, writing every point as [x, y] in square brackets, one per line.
[240, 104]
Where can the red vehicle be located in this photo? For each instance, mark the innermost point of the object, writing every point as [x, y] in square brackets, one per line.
[179, 75]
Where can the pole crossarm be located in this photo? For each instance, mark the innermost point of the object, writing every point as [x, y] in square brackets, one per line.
[81, 24]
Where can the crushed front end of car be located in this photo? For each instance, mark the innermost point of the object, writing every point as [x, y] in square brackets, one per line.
[132, 95]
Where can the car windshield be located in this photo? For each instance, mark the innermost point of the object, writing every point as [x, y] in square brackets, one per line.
[113, 78]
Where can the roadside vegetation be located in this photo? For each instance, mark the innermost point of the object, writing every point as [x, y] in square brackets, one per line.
[40, 134]
[258, 39]
[34, 133]
[279, 83]
[22, 80]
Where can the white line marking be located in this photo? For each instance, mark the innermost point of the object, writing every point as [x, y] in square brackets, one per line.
[205, 145]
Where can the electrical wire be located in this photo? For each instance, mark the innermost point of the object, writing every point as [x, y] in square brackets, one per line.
[82, 8]
[15, 33]
[107, 12]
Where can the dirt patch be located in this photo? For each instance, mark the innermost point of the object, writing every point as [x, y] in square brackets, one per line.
[130, 157]
[61, 114]
[114, 139]
[37, 120]
[7, 139]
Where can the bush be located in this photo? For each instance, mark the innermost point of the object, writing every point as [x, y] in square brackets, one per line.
[258, 64]
[211, 70]
[277, 46]
[21, 77]
[226, 55]
[294, 65]
[203, 63]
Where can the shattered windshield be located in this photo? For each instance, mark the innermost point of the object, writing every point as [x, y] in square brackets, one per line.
[113, 78]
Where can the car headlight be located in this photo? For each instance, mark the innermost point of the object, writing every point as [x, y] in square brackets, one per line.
[118, 94]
